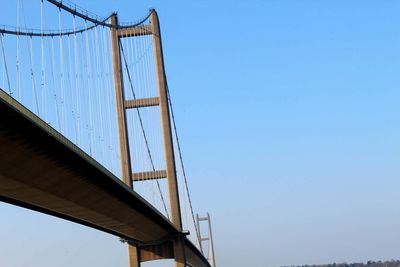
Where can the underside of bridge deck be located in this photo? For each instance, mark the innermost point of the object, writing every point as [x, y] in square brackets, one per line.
[43, 171]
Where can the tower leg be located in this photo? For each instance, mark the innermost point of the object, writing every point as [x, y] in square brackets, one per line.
[179, 251]
[134, 256]
[126, 169]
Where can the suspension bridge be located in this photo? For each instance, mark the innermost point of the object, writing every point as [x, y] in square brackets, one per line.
[88, 133]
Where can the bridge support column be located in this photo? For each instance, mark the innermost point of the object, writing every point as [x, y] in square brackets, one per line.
[133, 256]
[126, 168]
[179, 251]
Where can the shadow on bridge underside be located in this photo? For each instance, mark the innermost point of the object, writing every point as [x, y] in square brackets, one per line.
[41, 170]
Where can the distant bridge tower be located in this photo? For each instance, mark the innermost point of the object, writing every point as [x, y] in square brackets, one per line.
[209, 238]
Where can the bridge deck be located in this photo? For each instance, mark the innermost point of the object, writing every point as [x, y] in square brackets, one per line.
[41, 170]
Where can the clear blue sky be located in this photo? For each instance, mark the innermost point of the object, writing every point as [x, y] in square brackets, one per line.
[288, 113]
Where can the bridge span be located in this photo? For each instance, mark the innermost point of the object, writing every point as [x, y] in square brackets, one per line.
[42, 170]
[96, 121]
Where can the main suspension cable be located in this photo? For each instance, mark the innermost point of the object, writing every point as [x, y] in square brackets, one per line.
[44, 33]
[180, 156]
[86, 17]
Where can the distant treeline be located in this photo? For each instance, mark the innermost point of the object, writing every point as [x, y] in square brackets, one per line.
[391, 263]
